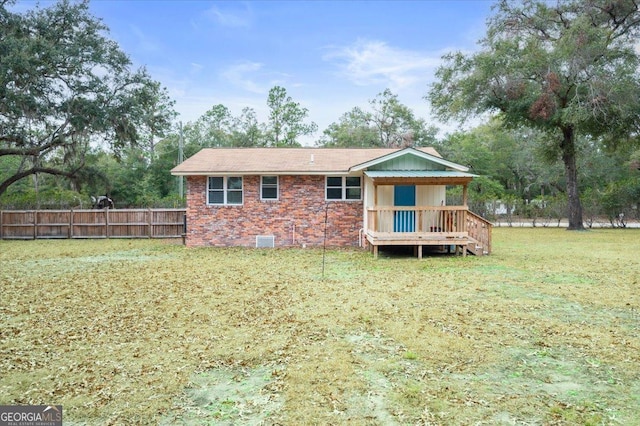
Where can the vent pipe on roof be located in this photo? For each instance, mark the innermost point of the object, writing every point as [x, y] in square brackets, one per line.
[312, 159]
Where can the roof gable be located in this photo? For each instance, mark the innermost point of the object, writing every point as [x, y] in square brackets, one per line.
[409, 159]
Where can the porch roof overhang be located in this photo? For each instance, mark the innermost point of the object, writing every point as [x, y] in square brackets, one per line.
[419, 177]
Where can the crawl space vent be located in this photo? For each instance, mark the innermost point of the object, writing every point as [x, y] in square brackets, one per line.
[265, 241]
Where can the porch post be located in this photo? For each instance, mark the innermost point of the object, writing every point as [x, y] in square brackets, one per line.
[374, 224]
[465, 187]
[464, 195]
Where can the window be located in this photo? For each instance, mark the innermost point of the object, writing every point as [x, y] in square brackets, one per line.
[224, 190]
[352, 189]
[344, 188]
[269, 188]
[216, 190]
[334, 188]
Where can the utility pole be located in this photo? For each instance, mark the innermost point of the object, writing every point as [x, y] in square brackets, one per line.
[180, 160]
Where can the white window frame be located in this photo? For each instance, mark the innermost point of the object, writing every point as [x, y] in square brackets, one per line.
[343, 188]
[277, 186]
[225, 191]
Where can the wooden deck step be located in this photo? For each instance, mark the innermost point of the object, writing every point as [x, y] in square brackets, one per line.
[475, 248]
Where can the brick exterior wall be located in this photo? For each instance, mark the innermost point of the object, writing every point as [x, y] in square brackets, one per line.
[296, 219]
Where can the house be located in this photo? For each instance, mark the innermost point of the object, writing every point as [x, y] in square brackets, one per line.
[302, 197]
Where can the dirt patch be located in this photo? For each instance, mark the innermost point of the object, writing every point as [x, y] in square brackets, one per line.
[381, 365]
[231, 396]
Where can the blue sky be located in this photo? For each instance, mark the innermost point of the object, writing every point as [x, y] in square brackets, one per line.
[330, 56]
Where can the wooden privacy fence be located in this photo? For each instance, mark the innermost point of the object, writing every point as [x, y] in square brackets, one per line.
[126, 223]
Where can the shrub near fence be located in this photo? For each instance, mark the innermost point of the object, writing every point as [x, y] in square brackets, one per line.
[126, 223]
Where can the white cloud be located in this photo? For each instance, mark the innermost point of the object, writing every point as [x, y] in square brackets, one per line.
[196, 67]
[144, 42]
[370, 62]
[254, 78]
[240, 75]
[239, 18]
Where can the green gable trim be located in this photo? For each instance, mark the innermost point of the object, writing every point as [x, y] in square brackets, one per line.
[409, 159]
[407, 162]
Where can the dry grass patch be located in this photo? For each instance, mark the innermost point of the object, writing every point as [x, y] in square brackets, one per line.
[544, 331]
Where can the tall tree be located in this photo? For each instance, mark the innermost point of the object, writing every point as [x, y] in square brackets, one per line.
[507, 156]
[388, 123]
[396, 124]
[213, 129]
[353, 129]
[64, 84]
[286, 119]
[567, 69]
[219, 128]
[158, 117]
[246, 130]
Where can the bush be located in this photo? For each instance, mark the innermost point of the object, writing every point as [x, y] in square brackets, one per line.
[51, 198]
[620, 201]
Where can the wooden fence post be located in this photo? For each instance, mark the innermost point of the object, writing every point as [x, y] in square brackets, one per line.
[106, 222]
[150, 221]
[35, 224]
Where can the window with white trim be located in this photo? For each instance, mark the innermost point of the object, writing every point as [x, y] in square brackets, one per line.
[343, 188]
[224, 190]
[269, 187]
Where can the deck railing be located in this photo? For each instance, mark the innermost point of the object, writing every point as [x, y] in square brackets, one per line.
[480, 230]
[436, 220]
[429, 225]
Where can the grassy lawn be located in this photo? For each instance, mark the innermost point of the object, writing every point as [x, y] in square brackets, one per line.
[546, 330]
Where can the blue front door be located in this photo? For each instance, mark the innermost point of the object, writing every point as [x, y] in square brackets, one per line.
[404, 196]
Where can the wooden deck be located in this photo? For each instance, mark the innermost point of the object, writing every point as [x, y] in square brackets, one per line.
[446, 226]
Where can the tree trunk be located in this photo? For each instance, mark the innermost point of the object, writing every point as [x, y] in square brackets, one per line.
[571, 174]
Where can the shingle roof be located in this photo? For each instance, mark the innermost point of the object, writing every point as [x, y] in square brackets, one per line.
[281, 160]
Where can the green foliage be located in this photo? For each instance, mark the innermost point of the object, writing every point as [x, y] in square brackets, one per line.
[64, 84]
[49, 197]
[396, 124]
[158, 116]
[286, 120]
[388, 124]
[621, 200]
[543, 210]
[481, 193]
[213, 129]
[219, 128]
[569, 69]
[353, 129]
[63, 91]
[511, 157]
[592, 203]
[247, 131]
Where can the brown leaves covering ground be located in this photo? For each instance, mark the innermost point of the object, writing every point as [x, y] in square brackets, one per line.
[543, 331]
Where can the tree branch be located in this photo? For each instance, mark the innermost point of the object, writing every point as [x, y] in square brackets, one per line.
[48, 170]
